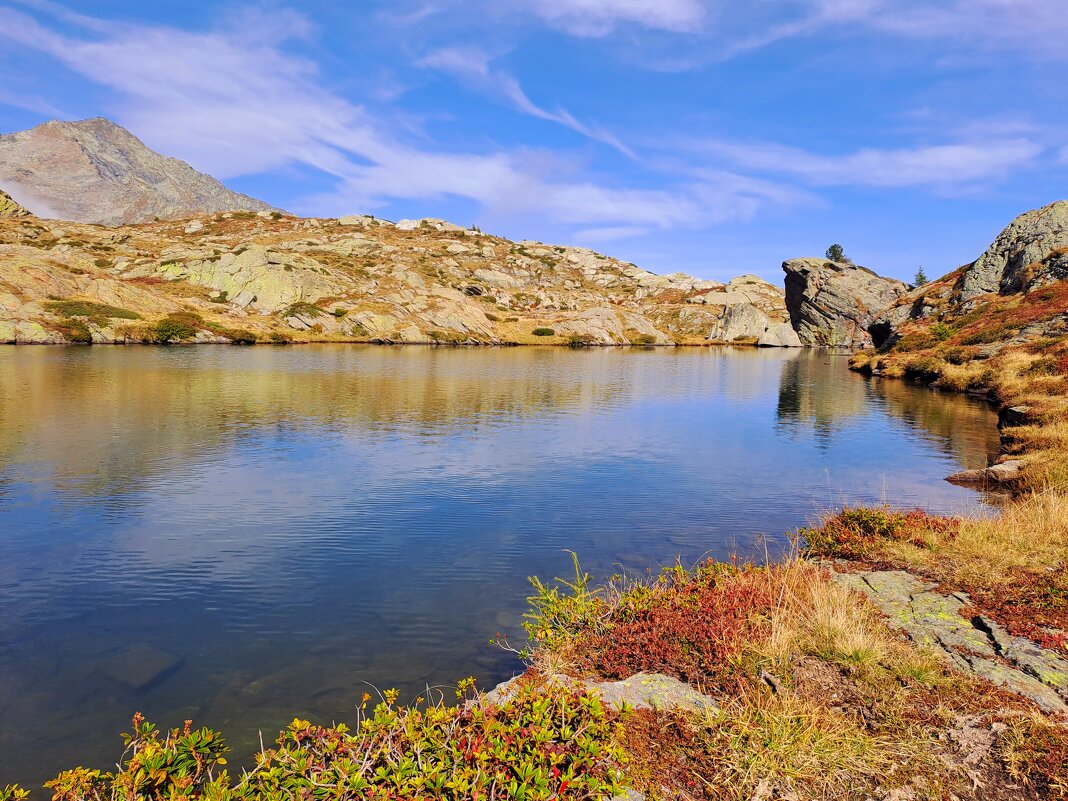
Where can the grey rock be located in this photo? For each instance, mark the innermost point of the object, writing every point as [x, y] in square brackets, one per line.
[834, 303]
[1028, 240]
[741, 320]
[780, 335]
[936, 620]
[1001, 473]
[640, 691]
[95, 171]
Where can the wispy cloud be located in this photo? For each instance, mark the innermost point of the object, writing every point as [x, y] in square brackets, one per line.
[945, 165]
[473, 66]
[233, 101]
[600, 17]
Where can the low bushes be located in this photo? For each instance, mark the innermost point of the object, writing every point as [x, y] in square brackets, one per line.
[543, 743]
[543, 332]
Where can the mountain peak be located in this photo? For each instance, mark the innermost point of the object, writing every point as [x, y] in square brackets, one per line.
[96, 171]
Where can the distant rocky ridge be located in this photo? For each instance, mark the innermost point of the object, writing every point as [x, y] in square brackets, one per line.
[95, 171]
[244, 276]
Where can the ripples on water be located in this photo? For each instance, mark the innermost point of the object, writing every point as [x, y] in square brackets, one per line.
[241, 535]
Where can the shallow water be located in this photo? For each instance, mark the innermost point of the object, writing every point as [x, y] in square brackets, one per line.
[240, 535]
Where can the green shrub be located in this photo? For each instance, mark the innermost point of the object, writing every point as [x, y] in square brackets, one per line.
[941, 331]
[580, 340]
[996, 333]
[96, 313]
[239, 336]
[961, 355]
[280, 338]
[835, 253]
[915, 341]
[176, 327]
[543, 332]
[544, 743]
[303, 309]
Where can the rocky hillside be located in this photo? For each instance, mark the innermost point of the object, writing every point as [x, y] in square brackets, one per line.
[95, 171]
[245, 277]
[1014, 292]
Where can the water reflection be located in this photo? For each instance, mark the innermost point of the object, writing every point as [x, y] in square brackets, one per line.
[241, 535]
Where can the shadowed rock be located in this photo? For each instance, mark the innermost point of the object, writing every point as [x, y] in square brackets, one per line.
[834, 303]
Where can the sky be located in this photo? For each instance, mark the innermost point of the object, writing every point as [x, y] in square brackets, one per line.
[703, 136]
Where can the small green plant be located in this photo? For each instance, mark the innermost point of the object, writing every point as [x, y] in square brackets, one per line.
[280, 338]
[921, 277]
[543, 332]
[12, 792]
[302, 309]
[941, 331]
[176, 327]
[544, 743]
[835, 253]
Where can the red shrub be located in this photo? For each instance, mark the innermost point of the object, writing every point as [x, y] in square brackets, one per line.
[690, 627]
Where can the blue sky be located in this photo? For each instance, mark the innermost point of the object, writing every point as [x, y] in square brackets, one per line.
[704, 136]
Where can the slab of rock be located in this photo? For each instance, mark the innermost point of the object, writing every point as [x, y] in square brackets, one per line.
[780, 335]
[980, 646]
[1006, 266]
[834, 303]
[640, 691]
[1001, 473]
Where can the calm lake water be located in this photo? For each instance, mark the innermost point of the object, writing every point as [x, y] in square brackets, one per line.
[241, 535]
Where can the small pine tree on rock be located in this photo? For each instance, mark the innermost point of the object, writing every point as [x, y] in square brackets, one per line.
[835, 253]
[921, 277]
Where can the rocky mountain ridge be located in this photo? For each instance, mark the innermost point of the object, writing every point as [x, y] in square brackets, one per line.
[95, 171]
[266, 276]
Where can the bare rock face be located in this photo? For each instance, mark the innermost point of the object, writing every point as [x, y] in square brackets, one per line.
[1019, 259]
[1031, 253]
[95, 171]
[834, 303]
[9, 208]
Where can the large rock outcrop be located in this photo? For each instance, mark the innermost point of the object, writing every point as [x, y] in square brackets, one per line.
[746, 309]
[834, 303]
[95, 171]
[1019, 258]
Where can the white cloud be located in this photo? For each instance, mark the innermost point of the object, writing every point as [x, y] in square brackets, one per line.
[931, 166]
[233, 102]
[473, 67]
[600, 17]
